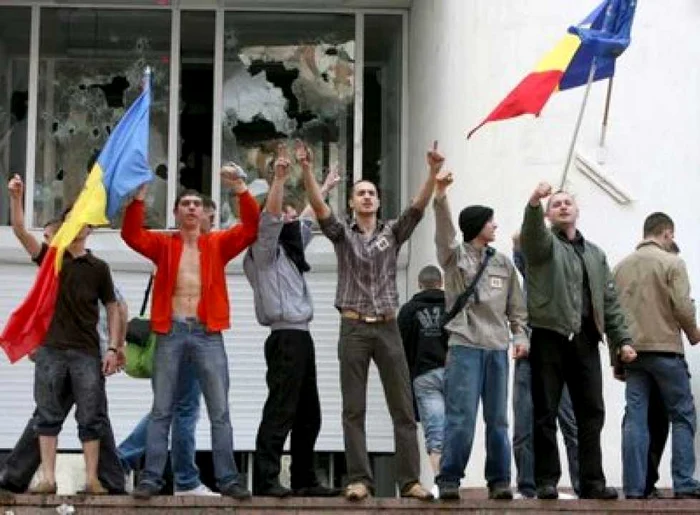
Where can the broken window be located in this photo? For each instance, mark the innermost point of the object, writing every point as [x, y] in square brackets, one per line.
[15, 23]
[288, 76]
[91, 63]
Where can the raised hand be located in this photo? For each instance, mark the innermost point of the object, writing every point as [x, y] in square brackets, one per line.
[303, 154]
[233, 177]
[543, 190]
[442, 181]
[332, 180]
[16, 187]
[282, 162]
[435, 159]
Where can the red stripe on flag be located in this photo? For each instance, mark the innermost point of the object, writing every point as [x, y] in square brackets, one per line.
[28, 324]
[528, 97]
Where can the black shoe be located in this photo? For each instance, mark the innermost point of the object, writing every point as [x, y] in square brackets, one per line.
[635, 497]
[145, 491]
[606, 493]
[548, 492]
[236, 491]
[527, 493]
[5, 495]
[654, 494]
[449, 492]
[500, 492]
[317, 491]
[688, 494]
[275, 490]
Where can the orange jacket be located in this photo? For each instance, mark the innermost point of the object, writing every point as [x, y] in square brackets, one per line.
[216, 249]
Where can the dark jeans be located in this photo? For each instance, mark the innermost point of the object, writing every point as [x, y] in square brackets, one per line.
[292, 405]
[24, 460]
[523, 428]
[557, 361]
[359, 343]
[670, 373]
[658, 421]
[61, 372]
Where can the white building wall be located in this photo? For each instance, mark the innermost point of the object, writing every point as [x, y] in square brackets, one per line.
[466, 55]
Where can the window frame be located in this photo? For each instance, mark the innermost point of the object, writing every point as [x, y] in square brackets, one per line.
[173, 117]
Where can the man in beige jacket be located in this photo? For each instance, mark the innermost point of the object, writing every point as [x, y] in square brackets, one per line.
[655, 292]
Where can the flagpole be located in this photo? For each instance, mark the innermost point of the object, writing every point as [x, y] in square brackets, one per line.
[604, 125]
[577, 128]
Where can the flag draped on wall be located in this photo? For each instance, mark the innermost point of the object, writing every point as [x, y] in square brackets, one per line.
[120, 169]
[602, 36]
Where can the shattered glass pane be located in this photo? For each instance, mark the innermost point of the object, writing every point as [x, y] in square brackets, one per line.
[287, 76]
[91, 63]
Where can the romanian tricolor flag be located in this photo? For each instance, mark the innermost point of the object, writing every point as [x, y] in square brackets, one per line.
[602, 36]
[120, 169]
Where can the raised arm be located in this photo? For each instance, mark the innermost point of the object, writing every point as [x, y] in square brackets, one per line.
[313, 190]
[435, 162]
[239, 236]
[445, 233]
[264, 249]
[329, 184]
[28, 241]
[143, 241]
[536, 240]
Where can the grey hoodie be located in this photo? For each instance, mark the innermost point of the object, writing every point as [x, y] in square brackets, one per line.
[282, 298]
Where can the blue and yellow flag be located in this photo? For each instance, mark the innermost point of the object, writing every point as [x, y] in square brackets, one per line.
[120, 169]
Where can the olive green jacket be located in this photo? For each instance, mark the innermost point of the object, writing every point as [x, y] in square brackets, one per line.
[554, 281]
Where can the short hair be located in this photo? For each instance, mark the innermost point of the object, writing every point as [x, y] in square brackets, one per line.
[558, 192]
[673, 248]
[430, 277]
[656, 223]
[187, 193]
[53, 222]
[352, 190]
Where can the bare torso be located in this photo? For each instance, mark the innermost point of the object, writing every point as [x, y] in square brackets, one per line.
[189, 283]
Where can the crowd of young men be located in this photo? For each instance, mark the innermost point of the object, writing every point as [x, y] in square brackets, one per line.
[454, 352]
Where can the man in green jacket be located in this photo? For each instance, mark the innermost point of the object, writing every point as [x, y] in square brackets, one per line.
[572, 303]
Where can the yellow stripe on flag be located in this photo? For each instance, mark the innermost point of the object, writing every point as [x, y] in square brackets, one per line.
[559, 58]
[89, 209]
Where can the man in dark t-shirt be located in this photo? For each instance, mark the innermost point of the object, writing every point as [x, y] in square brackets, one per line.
[68, 364]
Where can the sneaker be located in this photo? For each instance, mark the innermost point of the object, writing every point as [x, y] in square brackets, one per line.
[435, 491]
[44, 488]
[356, 492]
[449, 492]
[525, 493]
[607, 493]
[145, 491]
[567, 497]
[654, 494]
[129, 482]
[275, 490]
[5, 495]
[547, 492]
[416, 491]
[317, 490]
[236, 491]
[500, 493]
[201, 491]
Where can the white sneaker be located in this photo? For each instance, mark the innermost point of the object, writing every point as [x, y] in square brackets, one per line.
[201, 491]
[567, 497]
[129, 482]
[435, 491]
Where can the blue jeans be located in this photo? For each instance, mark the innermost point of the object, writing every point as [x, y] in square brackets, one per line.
[429, 389]
[523, 426]
[670, 373]
[189, 340]
[185, 471]
[472, 374]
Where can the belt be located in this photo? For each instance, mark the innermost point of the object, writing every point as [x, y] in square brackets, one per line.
[368, 319]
